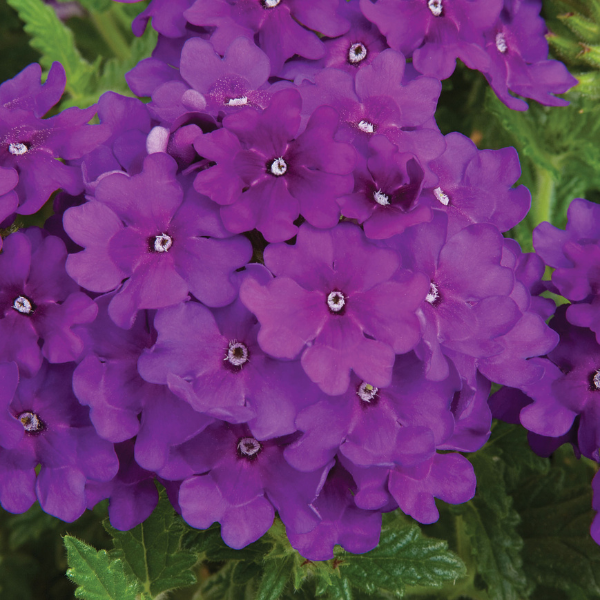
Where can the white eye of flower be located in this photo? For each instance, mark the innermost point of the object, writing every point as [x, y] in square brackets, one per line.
[366, 126]
[31, 422]
[238, 101]
[381, 198]
[23, 305]
[271, 3]
[357, 53]
[278, 167]
[237, 353]
[249, 447]
[596, 379]
[336, 301]
[162, 243]
[366, 392]
[17, 149]
[443, 198]
[435, 6]
[433, 294]
[501, 42]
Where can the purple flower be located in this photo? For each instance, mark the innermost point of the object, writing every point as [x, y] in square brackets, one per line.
[59, 437]
[377, 101]
[450, 478]
[132, 492]
[167, 17]
[244, 481]
[436, 32]
[39, 302]
[9, 201]
[11, 430]
[399, 424]
[284, 175]
[227, 83]
[332, 290]
[476, 186]
[278, 23]
[386, 191]
[575, 256]
[518, 53]
[31, 145]
[468, 303]
[140, 229]
[212, 360]
[342, 522]
[122, 404]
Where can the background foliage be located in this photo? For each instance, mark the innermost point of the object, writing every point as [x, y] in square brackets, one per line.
[526, 532]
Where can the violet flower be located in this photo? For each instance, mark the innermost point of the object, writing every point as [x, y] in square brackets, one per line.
[243, 482]
[31, 145]
[333, 289]
[140, 229]
[39, 302]
[282, 25]
[436, 32]
[213, 361]
[59, 437]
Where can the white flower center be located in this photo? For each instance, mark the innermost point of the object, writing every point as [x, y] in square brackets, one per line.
[23, 305]
[162, 242]
[17, 149]
[596, 379]
[381, 198]
[357, 53]
[366, 126]
[443, 198]
[366, 392]
[435, 6]
[501, 42]
[238, 101]
[271, 3]
[31, 422]
[237, 353]
[249, 446]
[433, 294]
[336, 301]
[279, 167]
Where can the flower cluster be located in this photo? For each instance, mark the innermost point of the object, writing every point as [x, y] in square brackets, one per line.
[276, 288]
[504, 39]
[564, 406]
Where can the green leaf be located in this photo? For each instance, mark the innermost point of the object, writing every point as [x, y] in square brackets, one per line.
[489, 521]
[274, 579]
[222, 587]
[404, 557]
[152, 551]
[556, 517]
[54, 41]
[98, 576]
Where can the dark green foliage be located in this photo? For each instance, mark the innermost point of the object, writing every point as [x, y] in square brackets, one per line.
[152, 551]
[97, 575]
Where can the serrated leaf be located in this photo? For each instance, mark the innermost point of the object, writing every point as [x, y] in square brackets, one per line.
[152, 551]
[210, 544]
[585, 29]
[275, 577]
[403, 557]
[97, 575]
[221, 586]
[54, 41]
[556, 516]
[338, 588]
[489, 520]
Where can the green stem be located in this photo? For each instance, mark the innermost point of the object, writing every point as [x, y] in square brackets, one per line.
[109, 30]
[544, 200]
